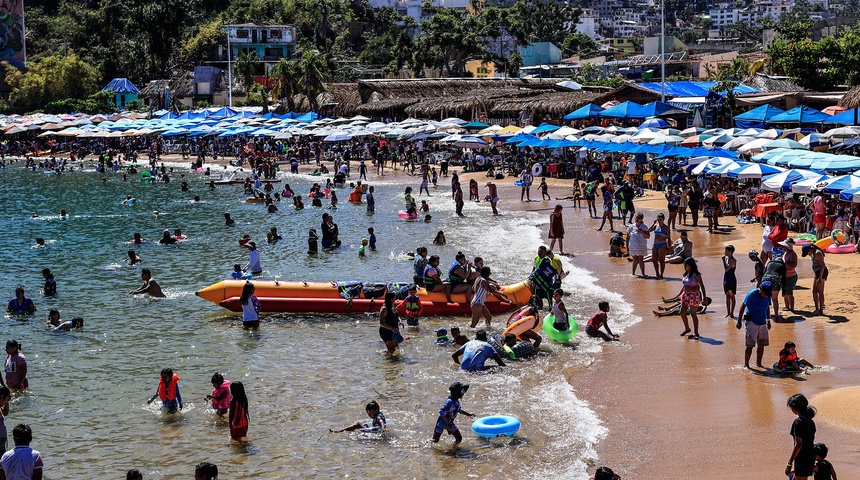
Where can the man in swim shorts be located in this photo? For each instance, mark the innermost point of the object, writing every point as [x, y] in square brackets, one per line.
[149, 286]
[475, 353]
[757, 305]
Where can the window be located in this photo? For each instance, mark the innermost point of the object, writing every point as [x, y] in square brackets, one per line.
[241, 34]
[274, 34]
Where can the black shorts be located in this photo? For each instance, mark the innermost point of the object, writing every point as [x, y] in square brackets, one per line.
[672, 208]
[386, 335]
[730, 285]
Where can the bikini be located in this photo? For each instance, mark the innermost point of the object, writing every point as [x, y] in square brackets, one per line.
[664, 233]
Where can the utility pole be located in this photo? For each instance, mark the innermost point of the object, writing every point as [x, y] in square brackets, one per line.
[229, 72]
[662, 52]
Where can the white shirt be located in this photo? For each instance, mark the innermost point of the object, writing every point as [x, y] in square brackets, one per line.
[20, 462]
[631, 167]
[253, 265]
[766, 244]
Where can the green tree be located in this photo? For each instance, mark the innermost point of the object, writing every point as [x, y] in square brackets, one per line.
[286, 81]
[312, 70]
[245, 67]
[51, 78]
[580, 44]
[532, 21]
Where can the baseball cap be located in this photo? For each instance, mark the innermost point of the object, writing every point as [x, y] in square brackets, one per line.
[767, 288]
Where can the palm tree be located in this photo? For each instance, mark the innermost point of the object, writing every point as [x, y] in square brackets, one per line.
[313, 74]
[286, 85]
[245, 67]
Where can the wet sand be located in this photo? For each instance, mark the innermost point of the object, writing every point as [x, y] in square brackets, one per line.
[681, 408]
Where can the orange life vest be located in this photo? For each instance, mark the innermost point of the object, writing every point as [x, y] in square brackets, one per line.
[167, 392]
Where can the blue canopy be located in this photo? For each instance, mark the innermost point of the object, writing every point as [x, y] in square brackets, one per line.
[122, 86]
[657, 109]
[545, 127]
[223, 112]
[168, 116]
[691, 89]
[800, 114]
[192, 116]
[851, 142]
[847, 117]
[307, 118]
[589, 111]
[627, 110]
[761, 114]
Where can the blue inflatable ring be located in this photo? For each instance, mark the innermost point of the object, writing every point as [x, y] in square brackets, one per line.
[496, 426]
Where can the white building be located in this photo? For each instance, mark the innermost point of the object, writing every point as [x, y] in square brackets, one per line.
[415, 8]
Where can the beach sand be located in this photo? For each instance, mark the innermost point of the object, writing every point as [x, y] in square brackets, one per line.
[681, 408]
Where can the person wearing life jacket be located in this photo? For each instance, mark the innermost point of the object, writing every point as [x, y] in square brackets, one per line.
[168, 391]
[432, 281]
[516, 349]
[458, 274]
[220, 398]
[412, 304]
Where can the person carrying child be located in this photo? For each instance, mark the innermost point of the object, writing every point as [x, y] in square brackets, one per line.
[411, 207]
[789, 360]
[449, 412]
[600, 319]
[377, 424]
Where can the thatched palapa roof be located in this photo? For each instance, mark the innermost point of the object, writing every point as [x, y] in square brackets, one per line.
[767, 83]
[851, 99]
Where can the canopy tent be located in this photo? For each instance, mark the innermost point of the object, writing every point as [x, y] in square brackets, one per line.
[848, 117]
[626, 111]
[800, 114]
[659, 109]
[757, 117]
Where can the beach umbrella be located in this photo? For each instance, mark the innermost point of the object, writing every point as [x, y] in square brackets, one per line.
[717, 141]
[749, 132]
[544, 128]
[654, 123]
[337, 137]
[15, 129]
[723, 170]
[470, 142]
[754, 146]
[755, 170]
[490, 130]
[813, 140]
[842, 132]
[563, 132]
[710, 164]
[772, 134]
[475, 125]
[694, 141]
[667, 139]
[509, 129]
[569, 85]
[838, 184]
[810, 184]
[783, 157]
[850, 195]
[783, 143]
[782, 182]
[454, 121]
[689, 132]
[736, 143]
[837, 163]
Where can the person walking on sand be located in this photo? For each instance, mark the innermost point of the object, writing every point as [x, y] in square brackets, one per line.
[819, 269]
[790, 260]
[526, 178]
[607, 208]
[730, 280]
[556, 229]
[801, 462]
[493, 196]
[692, 293]
[757, 305]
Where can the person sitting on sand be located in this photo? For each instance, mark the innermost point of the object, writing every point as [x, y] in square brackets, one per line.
[682, 249]
[675, 307]
[377, 425]
[789, 360]
[600, 319]
[149, 286]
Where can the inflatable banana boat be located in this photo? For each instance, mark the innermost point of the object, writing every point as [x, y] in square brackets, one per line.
[350, 297]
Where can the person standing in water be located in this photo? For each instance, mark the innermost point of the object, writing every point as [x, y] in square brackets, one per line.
[16, 367]
[168, 391]
[483, 286]
[220, 397]
[493, 196]
[250, 307]
[253, 265]
[389, 324]
[149, 286]
[238, 414]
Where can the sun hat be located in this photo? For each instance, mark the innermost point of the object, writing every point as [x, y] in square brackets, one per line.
[753, 254]
[787, 243]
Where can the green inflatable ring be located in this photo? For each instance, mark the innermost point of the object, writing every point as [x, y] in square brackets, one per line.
[145, 177]
[556, 335]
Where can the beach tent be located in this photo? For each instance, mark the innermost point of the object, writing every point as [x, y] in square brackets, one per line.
[782, 182]
[627, 110]
[757, 117]
[800, 114]
[589, 111]
[660, 109]
[848, 117]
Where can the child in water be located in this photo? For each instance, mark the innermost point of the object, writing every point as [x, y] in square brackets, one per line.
[789, 360]
[449, 412]
[377, 425]
[600, 319]
[372, 239]
[560, 322]
[238, 411]
[132, 258]
[440, 238]
[458, 338]
[168, 391]
[220, 398]
[413, 306]
[424, 207]
[371, 202]
[237, 273]
[363, 247]
[442, 337]
[50, 288]
[411, 208]
[313, 242]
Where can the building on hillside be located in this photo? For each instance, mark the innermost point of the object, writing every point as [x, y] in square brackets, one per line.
[651, 45]
[541, 53]
[270, 43]
[415, 8]
[626, 46]
[481, 69]
[203, 84]
[123, 91]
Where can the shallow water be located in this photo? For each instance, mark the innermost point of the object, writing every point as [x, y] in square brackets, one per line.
[303, 373]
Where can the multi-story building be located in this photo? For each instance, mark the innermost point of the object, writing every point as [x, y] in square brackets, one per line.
[415, 8]
[270, 43]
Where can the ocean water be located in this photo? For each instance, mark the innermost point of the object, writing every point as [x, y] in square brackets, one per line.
[303, 373]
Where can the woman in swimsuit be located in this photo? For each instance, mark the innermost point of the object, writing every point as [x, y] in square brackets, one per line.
[730, 280]
[691, 295]
[819, 268]
[483, 286]
[662, 238]
[672, 202]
